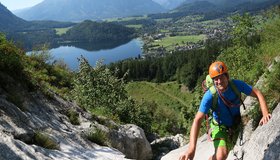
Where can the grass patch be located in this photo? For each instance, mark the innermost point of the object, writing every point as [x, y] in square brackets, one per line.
[163, 20]
[73, 116]
[166, 95]
[97, 136]
[61, 31]
[44, 141]
[136, 26]
[164, 31]
[171, 42]
[169, 100]
[126, 19]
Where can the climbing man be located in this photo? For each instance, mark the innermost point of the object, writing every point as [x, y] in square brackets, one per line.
[224, 113]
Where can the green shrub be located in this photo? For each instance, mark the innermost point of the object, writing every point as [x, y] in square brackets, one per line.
[44, 141]
[97, 136]
[73, 116]
[10, 58]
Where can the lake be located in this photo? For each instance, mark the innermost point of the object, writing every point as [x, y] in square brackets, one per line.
[70, 53]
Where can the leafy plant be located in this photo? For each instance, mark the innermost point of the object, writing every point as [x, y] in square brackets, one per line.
[10, 58]
[48, 76]
[244, 30]
[98, 88]
[242, 57]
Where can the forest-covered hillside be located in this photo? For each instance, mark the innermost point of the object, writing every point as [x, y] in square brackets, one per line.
[212, 9]
[89, 31]
[10, 22]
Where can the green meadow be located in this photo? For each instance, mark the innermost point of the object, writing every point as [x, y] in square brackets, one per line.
[171, 42]
[61, 31]
[166, 95]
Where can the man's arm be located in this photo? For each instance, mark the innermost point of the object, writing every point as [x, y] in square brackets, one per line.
[266, 115]
[189, 154]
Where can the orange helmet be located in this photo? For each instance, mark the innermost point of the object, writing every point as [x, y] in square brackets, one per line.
[217, 68]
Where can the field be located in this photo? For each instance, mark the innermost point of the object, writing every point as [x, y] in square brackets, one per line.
[125, 19]
[136, 26]
[171, 42]
[166, 95]
[60, 31]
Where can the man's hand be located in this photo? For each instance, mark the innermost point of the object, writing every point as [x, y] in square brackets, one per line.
[187, 156]
[265, 119]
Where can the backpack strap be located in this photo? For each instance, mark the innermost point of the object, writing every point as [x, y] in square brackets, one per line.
[234, 88]
[214, 107]
[237, 92]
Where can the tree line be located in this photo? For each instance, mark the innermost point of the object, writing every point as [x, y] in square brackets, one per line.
[183, 66]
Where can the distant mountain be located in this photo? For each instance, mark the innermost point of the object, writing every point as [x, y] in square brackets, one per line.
[226, 4]
[169, 4]
[10, 22]
[255, 6]
[79, 10]
[197, 7]
[212, 9]
[217, 8]
[221, 3]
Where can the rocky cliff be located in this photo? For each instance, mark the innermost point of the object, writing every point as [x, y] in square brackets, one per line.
[31, 115]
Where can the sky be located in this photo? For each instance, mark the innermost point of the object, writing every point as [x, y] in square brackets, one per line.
[19, 4]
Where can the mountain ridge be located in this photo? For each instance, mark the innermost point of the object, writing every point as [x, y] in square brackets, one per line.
[9, 20]
[169, 4]
[88, 9]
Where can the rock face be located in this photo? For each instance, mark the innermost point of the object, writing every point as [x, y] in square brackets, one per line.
[19, 125]
[131, 140]
[263, 143]
[17, 129]
[203, 151]
[164, 145]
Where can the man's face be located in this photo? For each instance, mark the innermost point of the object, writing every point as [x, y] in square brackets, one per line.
[221, 82]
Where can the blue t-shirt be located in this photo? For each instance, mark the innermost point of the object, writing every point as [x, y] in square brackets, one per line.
[225, 117]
